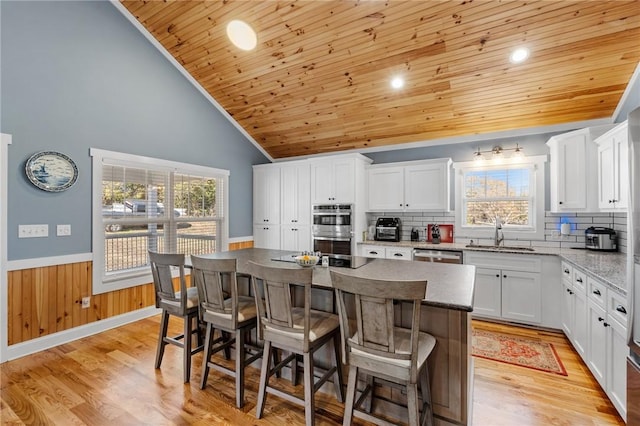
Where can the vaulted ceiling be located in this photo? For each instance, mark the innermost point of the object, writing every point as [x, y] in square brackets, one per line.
[319, 79]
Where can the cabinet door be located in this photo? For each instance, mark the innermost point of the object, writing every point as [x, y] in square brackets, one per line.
[266, 195]
[266, 236]
[426, 187]
[487, 294]
[296, 238]
[384, 185]
[572, 189]
[521, 296]
[606, 174]
[344, 180]
[568, 309]
[621, 152]
[580, 336]
[616, 365]
[322, 181]
[597, 349]
[296, 196]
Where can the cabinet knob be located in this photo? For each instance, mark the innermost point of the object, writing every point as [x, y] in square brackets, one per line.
[566, 271]
[621, 309]
[597, 292]
[400, 204]
[579, 280]
[559, 202]
[497, 275]
[406, 205]
[600, 319]
[504, 276]
[606, 324]
[570, 291]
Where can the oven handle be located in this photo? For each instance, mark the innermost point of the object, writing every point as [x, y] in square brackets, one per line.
[332, 238]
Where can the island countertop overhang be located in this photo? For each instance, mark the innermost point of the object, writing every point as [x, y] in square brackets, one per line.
[449, 286]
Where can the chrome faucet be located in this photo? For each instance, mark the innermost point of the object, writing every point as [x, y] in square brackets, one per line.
[499, 236]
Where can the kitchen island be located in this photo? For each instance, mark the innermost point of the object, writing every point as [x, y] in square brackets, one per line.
[445, 314]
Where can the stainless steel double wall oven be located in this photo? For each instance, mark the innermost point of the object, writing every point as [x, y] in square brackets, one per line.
[332, 228]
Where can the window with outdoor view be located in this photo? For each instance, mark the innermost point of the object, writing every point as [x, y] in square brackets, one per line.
[502, 193]
[512, 191]
[148, 204]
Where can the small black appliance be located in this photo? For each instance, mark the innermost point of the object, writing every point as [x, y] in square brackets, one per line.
[388, 229]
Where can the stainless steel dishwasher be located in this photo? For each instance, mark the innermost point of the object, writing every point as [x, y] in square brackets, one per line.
[438, 256]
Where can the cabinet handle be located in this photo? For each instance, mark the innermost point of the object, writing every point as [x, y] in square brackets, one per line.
[621, 309]
[398, 254]
[600, 319]
[373, 252]
[597, 292]
[579, 280]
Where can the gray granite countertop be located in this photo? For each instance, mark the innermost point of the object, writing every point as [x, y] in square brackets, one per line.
[609, 267]
[449, 286]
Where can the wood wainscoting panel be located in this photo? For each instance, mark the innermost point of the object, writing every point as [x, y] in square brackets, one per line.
[46, 300]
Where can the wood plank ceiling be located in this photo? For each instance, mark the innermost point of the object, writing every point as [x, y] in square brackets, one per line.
[318, 81]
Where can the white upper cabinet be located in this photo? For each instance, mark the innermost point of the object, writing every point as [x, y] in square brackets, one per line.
[334, 180]
[410, 186]
[573, 170]
[266, 194]
[613, 168]
[295, 187]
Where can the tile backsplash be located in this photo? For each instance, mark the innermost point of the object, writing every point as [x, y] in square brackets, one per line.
[552, 238]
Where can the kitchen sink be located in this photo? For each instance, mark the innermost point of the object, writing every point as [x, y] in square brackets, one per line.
[479, 246]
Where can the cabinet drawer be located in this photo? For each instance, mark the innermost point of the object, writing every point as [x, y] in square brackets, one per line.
[373, 251]
[508, 262]
[617, 307]
[597, 291]
[400, 253]
[579, 281]
[567, 271]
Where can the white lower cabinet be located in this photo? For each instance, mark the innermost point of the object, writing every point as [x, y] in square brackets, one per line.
[510, 287]
[266, 236]
[296, 238]
[594, 318]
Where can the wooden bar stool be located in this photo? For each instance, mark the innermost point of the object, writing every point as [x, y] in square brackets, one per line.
[371, 343]
[298, 330]
[183, 304]
[235, 315]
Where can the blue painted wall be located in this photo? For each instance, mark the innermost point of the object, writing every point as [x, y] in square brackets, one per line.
[77, 75]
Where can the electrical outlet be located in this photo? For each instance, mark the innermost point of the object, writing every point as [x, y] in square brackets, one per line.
[86, 302]
[63, 230]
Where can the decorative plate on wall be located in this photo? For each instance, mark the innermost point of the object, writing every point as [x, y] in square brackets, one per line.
[51, 171]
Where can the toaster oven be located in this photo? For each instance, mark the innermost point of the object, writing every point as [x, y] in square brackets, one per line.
[387, 229]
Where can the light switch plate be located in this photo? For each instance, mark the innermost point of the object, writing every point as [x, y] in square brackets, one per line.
[33, 231]
[63, 230]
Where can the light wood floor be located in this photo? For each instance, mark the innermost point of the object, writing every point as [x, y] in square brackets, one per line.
[109, 379]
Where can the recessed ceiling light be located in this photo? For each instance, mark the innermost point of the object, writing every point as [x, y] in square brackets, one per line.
[519, 55]
[242, 35]
[397, 82]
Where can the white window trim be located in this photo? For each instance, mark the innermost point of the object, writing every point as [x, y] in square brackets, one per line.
[5, 141]
[143, 275]
[537, 233]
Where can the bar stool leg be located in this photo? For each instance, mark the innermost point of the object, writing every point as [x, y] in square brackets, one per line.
[240, 356]
[351, 395]
[338, 381]
[309, 399]
[425, 389]
[207, 354]
[164, 324]
[264, 377]
[412, 403]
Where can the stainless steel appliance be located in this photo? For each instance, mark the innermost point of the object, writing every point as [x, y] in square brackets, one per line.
[337, 260]
[437, 256]
[387, 229]
[633, 271]
[600, 238]
[332, 230]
